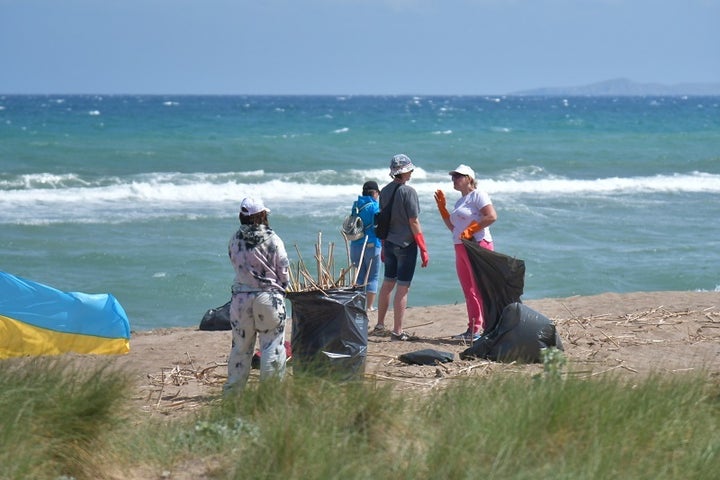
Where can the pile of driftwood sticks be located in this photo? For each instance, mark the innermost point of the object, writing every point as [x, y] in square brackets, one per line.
[325, 277]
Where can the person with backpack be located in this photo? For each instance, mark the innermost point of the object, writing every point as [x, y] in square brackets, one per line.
[367, 244]
[401, 244]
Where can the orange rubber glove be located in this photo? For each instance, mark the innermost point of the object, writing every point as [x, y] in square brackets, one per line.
[442, 204]
[471, 230]
[424, 256]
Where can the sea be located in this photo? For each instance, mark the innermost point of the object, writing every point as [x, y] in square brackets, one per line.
[138, 195]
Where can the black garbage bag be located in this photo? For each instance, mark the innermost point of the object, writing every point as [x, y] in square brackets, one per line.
[519, 335]
[329, 333]
[500, 278]
[426, 356]
[216, 318]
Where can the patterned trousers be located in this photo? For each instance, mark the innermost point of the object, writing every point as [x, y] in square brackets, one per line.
[261, 316]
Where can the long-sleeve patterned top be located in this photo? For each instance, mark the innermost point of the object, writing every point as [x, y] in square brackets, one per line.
[260, 260]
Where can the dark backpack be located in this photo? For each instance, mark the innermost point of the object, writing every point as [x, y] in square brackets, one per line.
[382, 218]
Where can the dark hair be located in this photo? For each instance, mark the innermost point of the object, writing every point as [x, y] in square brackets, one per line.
[259, 218]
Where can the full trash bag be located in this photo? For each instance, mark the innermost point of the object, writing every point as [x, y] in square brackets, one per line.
[519, 335]
[329, 332]
[216, 318]
[513, 331]
[500, 278]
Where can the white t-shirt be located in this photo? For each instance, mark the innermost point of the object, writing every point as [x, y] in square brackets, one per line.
[467, 209]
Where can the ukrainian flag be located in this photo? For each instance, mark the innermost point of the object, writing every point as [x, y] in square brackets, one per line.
[36, 319]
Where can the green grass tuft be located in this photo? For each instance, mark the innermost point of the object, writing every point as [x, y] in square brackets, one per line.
[312, 427]
[53, 417]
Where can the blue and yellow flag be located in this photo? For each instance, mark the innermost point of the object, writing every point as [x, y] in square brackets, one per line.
[36, 319]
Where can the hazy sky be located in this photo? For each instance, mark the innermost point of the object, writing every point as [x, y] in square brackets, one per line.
[351, 46]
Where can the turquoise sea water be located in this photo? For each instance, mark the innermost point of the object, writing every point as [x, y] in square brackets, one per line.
[138, 195]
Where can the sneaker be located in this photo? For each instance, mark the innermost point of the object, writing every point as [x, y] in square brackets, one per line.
[399, 337]
[466, 336]
[404, 337]
[379, 330]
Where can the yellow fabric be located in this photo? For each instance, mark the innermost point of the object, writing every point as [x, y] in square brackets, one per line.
[19, 339]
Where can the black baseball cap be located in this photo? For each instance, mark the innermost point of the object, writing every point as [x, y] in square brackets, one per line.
[370, 185]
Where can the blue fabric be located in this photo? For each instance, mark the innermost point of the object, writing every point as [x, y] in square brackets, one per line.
[400, 262]
[367, 207]
[370, 262]
[45, 307]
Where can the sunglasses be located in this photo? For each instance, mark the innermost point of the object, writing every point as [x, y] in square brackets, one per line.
[455, 176]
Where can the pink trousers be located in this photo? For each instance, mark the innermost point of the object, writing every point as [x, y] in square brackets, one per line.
[473, 296]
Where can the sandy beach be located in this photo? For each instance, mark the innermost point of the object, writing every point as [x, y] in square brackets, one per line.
[179, 370]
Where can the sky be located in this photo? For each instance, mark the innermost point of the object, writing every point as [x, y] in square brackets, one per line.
[351, 47]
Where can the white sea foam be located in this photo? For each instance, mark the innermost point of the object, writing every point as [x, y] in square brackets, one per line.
[42, 198]
[693, 183]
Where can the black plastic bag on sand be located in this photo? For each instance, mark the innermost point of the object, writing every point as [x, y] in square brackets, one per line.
[427, 356]
[216, 318]
[329, 333]
[500, 278]
[519, 335]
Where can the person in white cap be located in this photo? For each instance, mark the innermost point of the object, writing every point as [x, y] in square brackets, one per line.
[257, 308]
[470, 219]
[400, 248]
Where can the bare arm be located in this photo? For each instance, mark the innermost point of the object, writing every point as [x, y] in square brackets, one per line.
[415, 226]
[489, 215]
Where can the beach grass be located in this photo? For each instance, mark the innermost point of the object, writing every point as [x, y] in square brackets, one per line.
[73, 423]
[55, 417]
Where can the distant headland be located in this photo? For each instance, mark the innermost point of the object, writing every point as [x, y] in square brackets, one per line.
[625, 87]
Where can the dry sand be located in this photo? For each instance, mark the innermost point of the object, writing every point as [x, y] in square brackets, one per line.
[181, 369]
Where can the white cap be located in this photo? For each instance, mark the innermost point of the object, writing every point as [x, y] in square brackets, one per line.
[251, 206]
[463, 170]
